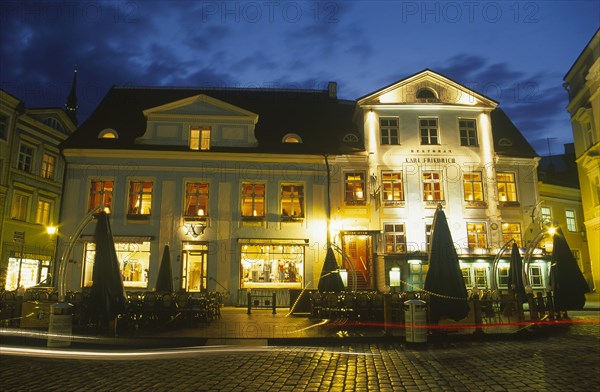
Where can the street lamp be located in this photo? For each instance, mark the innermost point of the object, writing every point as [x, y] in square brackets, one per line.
[51, 230]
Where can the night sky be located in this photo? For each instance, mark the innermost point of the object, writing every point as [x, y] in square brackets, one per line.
[514, 52]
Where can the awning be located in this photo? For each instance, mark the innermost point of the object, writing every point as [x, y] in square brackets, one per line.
[274, 241]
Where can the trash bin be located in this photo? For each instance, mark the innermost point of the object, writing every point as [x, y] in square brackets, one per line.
[60, 326]
[415, 316]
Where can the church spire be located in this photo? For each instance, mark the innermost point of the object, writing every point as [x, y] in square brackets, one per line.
[71, 105]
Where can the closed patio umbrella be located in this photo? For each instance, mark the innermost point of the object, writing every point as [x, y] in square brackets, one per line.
[515, 274]
[107, 299]
[164, 281]
[444, 281]
[330, 280]
[567, 281]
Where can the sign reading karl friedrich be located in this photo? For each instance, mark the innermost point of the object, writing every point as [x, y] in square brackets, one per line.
[429, 160]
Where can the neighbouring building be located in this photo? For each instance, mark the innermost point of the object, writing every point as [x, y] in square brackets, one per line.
[560, 204]
[31, 177]
[582, 82]
[236, 182]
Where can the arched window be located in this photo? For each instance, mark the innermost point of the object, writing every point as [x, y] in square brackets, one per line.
[291, 138]
[426, 93]
[350, 138]
[108, 133]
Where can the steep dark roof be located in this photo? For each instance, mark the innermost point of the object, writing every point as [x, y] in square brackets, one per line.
[559, 170]
[508, 140]
[319, 120]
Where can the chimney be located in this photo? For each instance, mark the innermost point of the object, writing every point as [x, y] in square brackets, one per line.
[332, 90]
[570, 149]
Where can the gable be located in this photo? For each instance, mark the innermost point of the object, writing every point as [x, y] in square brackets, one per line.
[427, 87]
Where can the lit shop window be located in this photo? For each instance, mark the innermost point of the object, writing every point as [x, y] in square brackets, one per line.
[511, 231]
[432, 186]
[292, 201]
[392, 188]
[272, 266]
[418, 273]
[354, 186]
[195, 262]
[468, 132]
[476, 235]
[101, 193]
[389, 130]
[429, 131]
[33, 272]
[473, 186]
[134, 261]
[395, 238]
[253, 200]
[48, 166]
[196, 199]
[140, 198]
[507, 188]
[200, 138]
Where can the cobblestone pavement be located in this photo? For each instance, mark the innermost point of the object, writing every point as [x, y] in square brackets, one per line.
[565, 360]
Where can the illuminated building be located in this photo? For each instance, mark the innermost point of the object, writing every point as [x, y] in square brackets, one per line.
[582, 82]
[31, 176]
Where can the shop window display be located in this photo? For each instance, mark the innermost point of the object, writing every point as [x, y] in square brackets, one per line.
[272, 266]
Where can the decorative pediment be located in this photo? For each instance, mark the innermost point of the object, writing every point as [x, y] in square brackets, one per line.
[200, 106]
[427, 88]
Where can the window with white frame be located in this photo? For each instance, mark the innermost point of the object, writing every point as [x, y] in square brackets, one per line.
[196, 199]
[395, 237]
[354, 188]
[507, 187]
[20, 205]
[476, 235]
[468, 132]
[429, 131]
[588, 134]
[48, 166]
[481, 276]
[511, 231]
[503, 271]
[389, 130]
[140, 198]
[473, 186]
[25, 158]
[393, 192]
[253, 200]
[134, 263]
[42, 215]
[571, 220]
[546, 215]
[200, 138]
[465, 271]
[536, 277]
[433, 189]
[101, 194]
[292, 201]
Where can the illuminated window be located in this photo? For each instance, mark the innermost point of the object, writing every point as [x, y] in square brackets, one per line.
[428, 232]
[271, 265]
[354, 186]
[196, 199]
[433, 189]
[108, 134]
[292, 201]
[19, 208]
[392, 187]
[200, 138]
[253, 200]
[25, 158]
[536, 277]
[481, 276]
[546, 215]
[468, 132]
[418, 273]
[511, 231]
[291, 138]
[389, 130]
[395, 238]
[32, 272]
[429, 131]
[42, 216]
[101, 193]
[507, 188]
[3, 127]
[503, 271]
[134, 263]
[473, 186]
[48, 166]
[194, 267]
[476, 235]
[140, 198]
[571, 221]
[466, 274]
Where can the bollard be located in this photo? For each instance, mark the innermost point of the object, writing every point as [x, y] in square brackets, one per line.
[387, 312]
[477, 315]
[60, 326]
[274, 303]
[533, 313]
[249, 302]
[415, 311]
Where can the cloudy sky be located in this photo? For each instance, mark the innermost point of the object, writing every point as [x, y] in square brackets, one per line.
[515, 52]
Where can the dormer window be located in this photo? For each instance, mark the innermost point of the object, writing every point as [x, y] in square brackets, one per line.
[350, 138]
[426, 94]
[291, 138]
[200, 138]
[108, 134]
